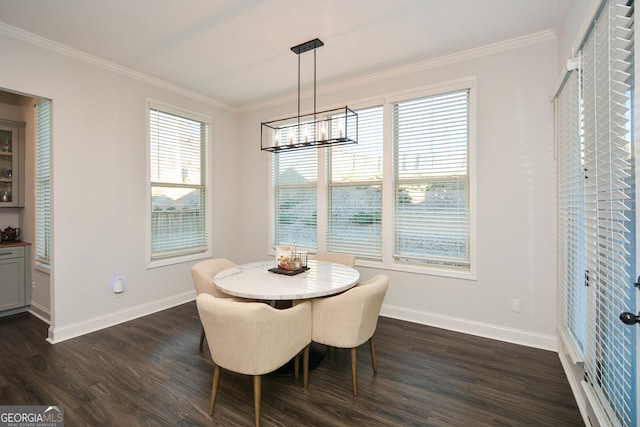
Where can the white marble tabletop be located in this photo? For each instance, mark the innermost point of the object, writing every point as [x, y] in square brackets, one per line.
[253, 280]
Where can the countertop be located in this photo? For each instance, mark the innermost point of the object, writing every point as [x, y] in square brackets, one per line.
[13, 244]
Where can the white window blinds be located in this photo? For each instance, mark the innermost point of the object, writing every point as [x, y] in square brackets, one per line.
[43, 183]
[610, 211]
[355, 190]
[571, 261]
[178, 176]
[431, 217]
[294, 198]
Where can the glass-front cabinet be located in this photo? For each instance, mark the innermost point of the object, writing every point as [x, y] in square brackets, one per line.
[11, 163]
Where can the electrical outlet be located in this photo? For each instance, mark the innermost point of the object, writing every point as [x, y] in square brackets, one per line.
[515, 305]
[33, 285]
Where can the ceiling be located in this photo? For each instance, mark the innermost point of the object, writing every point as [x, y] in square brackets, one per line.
[238, 51]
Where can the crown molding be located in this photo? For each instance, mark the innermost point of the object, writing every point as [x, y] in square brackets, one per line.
[453, 58]
[562, 10]
[79, 55]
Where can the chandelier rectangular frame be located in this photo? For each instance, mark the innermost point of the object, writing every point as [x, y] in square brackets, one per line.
[333, 127]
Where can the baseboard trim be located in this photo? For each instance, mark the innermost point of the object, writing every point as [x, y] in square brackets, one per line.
[59, 334]
[500, 333]
[486, 330]
[40, 312]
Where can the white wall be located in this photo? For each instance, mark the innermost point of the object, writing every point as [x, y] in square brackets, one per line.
[99, 181]
[573, 24]
[515, 195]
[99, 190]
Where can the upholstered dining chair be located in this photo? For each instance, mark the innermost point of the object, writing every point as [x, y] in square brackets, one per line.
[349, 319]
[345, 259]
[202, 274]
[253, 338]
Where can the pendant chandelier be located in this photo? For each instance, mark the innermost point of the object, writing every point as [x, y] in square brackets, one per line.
[319, 129]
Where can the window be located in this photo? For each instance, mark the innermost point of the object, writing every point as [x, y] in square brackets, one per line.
[178, 144]
[431, 206]
[294, 191]
[355, 191]
[399, 199]
[43, 184]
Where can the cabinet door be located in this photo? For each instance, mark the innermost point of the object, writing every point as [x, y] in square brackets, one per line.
[10, 165]
[12, 291]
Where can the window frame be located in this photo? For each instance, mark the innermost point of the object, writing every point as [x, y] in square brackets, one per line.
[399, 181]
[43, 219]
[388, 193]
[332, 185]
[274, 190]
[206, 167]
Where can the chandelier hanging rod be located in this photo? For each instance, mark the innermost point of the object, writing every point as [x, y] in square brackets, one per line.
[302, 48]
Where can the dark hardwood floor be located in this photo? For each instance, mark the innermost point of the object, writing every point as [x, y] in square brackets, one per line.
[148, 372]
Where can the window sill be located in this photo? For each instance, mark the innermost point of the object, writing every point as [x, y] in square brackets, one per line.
[43, 268]
[178, 259]
[427, 271]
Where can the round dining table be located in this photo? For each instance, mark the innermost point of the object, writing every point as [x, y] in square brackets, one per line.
[255, 281]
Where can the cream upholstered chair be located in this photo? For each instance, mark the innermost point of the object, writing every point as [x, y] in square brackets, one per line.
[345, 259]
[253, 338]
[202, 274]
[349, 319]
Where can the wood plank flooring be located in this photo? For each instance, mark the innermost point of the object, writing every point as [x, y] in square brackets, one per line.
[148, 372]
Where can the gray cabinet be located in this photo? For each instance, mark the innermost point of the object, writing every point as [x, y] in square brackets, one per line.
[11, 163]
[15, 277]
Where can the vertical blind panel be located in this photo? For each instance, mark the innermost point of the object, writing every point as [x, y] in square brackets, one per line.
[43, 182]
[571, 264]
[355, 190]
[431, 216]
[610, 359]
[294, 209]
[178, 195]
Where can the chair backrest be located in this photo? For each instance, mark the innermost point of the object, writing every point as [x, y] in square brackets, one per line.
[345, 259]
[203, 272]
[350, 318]
[253, 338]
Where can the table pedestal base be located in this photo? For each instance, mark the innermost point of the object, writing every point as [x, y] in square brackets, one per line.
[317, 353]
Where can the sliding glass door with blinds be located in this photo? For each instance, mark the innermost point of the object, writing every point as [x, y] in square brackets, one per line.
[571, 218]
[595, 130]
[178, 169]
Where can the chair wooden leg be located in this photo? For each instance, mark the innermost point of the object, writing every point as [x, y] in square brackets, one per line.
[257, 395]
[305, 367]
[201, 338]
[354, 371]
[214, 388]
[372, 348]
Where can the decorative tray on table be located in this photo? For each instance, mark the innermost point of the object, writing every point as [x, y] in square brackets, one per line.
[286, 272]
